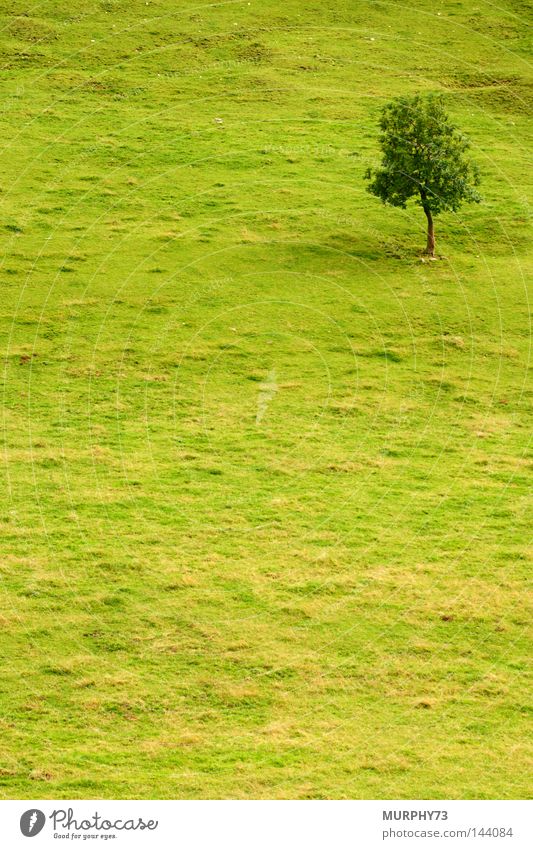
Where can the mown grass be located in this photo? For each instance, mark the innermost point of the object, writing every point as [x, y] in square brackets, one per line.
[325, 600]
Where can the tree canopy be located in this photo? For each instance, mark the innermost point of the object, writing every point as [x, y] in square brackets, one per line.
[423, 158]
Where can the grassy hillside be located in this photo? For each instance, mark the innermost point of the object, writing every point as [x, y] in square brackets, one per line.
[264, 523]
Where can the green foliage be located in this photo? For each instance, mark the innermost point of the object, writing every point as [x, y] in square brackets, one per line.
[423, 157]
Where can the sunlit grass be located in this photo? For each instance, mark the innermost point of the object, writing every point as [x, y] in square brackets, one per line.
[324, 600]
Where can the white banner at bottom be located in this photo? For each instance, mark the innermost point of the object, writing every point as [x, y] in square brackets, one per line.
[267, 824]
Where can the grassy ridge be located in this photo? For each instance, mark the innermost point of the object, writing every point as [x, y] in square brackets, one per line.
[265, 525]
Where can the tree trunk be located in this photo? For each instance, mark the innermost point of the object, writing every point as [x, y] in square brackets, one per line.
[430, 246]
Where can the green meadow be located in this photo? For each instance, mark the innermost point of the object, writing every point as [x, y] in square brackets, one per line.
[264, 517]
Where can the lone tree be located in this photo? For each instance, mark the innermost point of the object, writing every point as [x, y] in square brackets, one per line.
[423, 158]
